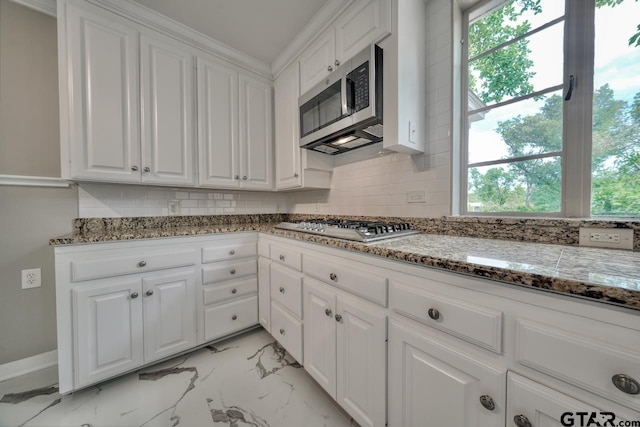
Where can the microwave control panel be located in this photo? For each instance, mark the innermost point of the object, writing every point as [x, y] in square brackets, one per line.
[360, 85]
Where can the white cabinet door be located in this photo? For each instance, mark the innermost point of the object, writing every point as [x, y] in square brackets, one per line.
[101, 92]
[287, 146]
[264, 294]
[169, 314]
[107, 319]
[167, 111]
[318, 61]
[365, 22]
[362, 361]
[319, 334]
[219, 161]
[256, 134]
[434, 385]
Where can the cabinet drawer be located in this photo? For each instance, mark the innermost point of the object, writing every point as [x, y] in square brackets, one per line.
[129, 263]
[366, 285]
[581, 357]
[286, 288]
[227, 270]
[289, 257]
[228, 251]
[224, 319]
[479, 325]
[287, 330]
[213, 294]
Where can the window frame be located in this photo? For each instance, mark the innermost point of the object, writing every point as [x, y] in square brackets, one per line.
[579, 35]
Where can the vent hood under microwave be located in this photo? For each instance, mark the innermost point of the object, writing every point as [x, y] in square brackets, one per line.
[344, 111]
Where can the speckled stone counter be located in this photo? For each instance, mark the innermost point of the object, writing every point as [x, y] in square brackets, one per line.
[607, 276]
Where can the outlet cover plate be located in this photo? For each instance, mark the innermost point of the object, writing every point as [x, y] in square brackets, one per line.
[416, 197]
[615, 238]
[31, 278]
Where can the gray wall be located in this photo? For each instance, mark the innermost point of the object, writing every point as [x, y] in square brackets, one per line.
[29, 145]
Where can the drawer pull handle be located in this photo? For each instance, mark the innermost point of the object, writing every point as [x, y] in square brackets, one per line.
[328, 312]
[626, 384]
[233, 271]
[134, 168]
[281, 258]
[234, 317]
[236, 177]
[234, 290]
[149, 292]
[134, 295]
[142, 264]
[487, 402]
[244, 177]
[281, 290]
[334, 277]
[338, 318]
[232, 252]
[522, 421]
[147, 169]
[281, 331]
[434, 313]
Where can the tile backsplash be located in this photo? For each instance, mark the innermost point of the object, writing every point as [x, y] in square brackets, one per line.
[114, 201]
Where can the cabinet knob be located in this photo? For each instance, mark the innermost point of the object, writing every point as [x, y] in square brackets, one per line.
[234, 290]
[281, 331]
[233, 271]
[487, 402]
[333, 276]
[522, 421]
[434, 313]
[236, 177]
[329, 68]
[232, 252]
[337, 63]
[147, 169]
[281, 290]
[295, 175]
[149, 292]
[142, 264]
[244, 177]
[281, 258]
[626, 384]
[234, 317]
[328, 312]
[134, 295]
[338, 318]
[134, 168]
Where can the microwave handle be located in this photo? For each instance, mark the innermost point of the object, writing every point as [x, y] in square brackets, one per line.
[344, 100]
[350, 95]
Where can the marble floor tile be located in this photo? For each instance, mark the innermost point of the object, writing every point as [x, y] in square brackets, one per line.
[247, 380]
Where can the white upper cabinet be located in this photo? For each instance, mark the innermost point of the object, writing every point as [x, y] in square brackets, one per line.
[363, 23]
[235, 128]
[99, 97]
[167, 87]
[219, 150]
[287, 91]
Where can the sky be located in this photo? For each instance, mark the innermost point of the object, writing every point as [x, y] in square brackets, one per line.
[615, 62]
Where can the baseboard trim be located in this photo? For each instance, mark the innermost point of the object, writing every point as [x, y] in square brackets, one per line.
[27, 365]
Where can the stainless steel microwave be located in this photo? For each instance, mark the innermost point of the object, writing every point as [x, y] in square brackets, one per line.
[344, 111]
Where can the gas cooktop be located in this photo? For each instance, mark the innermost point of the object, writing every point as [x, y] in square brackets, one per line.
[360, 231]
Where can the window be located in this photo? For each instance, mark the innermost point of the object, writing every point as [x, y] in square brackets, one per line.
[551, 120]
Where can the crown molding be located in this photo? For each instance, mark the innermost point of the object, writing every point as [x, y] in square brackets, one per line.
[320, 22]
[45, 6]
[32, 181]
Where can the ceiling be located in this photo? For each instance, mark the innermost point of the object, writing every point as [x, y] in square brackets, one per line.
[259, 28]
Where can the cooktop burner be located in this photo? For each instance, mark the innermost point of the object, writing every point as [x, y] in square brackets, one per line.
[360, 231]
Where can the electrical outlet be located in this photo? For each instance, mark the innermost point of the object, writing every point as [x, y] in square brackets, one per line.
[413, 132]
[31, 278]
[617, 238]
[174, 207]
[416, 197]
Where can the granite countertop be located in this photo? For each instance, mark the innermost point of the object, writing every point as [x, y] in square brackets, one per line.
[604, 275]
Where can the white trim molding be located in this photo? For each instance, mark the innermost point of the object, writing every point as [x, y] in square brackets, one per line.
[45, 6]
[28, 365]
[32, 181]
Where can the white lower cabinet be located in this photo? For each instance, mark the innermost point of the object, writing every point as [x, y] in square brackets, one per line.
[345, 350]
[432, 384]
[123, 323]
